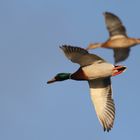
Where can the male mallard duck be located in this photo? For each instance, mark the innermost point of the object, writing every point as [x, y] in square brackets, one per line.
[97, 72]
[118, 40]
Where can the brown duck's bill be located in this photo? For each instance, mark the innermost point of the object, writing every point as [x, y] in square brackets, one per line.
[118, 70]
[51, 81]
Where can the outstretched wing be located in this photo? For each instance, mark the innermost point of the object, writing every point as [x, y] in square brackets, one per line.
[80, 55]
[101, 95]
[114, 25]
[120, 54]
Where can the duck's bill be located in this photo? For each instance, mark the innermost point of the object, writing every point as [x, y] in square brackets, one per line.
[118, 70]
[51, 81]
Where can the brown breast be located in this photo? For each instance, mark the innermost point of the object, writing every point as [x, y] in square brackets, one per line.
[79, 75]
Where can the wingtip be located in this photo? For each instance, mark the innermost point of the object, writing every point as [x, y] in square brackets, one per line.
[118, 61]
[62, 47]
[107, 129]
[105, 13]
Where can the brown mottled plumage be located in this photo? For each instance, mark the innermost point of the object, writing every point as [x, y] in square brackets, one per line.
[118, 39]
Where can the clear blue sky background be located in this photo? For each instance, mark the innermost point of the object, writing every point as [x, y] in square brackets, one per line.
[31, 32]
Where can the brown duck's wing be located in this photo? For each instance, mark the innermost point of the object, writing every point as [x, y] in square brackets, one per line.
[80, 55]
[114, 25]
[120, 54]
[101, 95]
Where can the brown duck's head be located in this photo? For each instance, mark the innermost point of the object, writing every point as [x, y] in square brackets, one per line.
[118, 69]
[60, 77]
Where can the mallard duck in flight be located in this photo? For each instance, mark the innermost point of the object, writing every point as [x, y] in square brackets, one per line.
[98, 73]
[118, 39]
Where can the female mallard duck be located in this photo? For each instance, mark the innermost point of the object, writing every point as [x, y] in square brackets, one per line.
[118, 40]
[97, 72]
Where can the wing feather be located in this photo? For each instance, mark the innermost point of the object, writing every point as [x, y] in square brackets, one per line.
[121, 54]
[80, 55]
[101, 96]
[114, 25]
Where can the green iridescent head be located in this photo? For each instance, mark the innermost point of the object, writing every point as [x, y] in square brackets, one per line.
[60, 77]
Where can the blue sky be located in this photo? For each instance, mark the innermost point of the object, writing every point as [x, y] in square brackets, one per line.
[31, 32]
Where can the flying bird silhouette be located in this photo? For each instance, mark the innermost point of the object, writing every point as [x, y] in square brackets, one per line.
[118, 39]
[98, 73]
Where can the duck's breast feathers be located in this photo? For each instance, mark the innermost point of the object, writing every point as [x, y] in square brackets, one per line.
[101, 96]
[98, 70]
[114, 25]
[80, 55]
